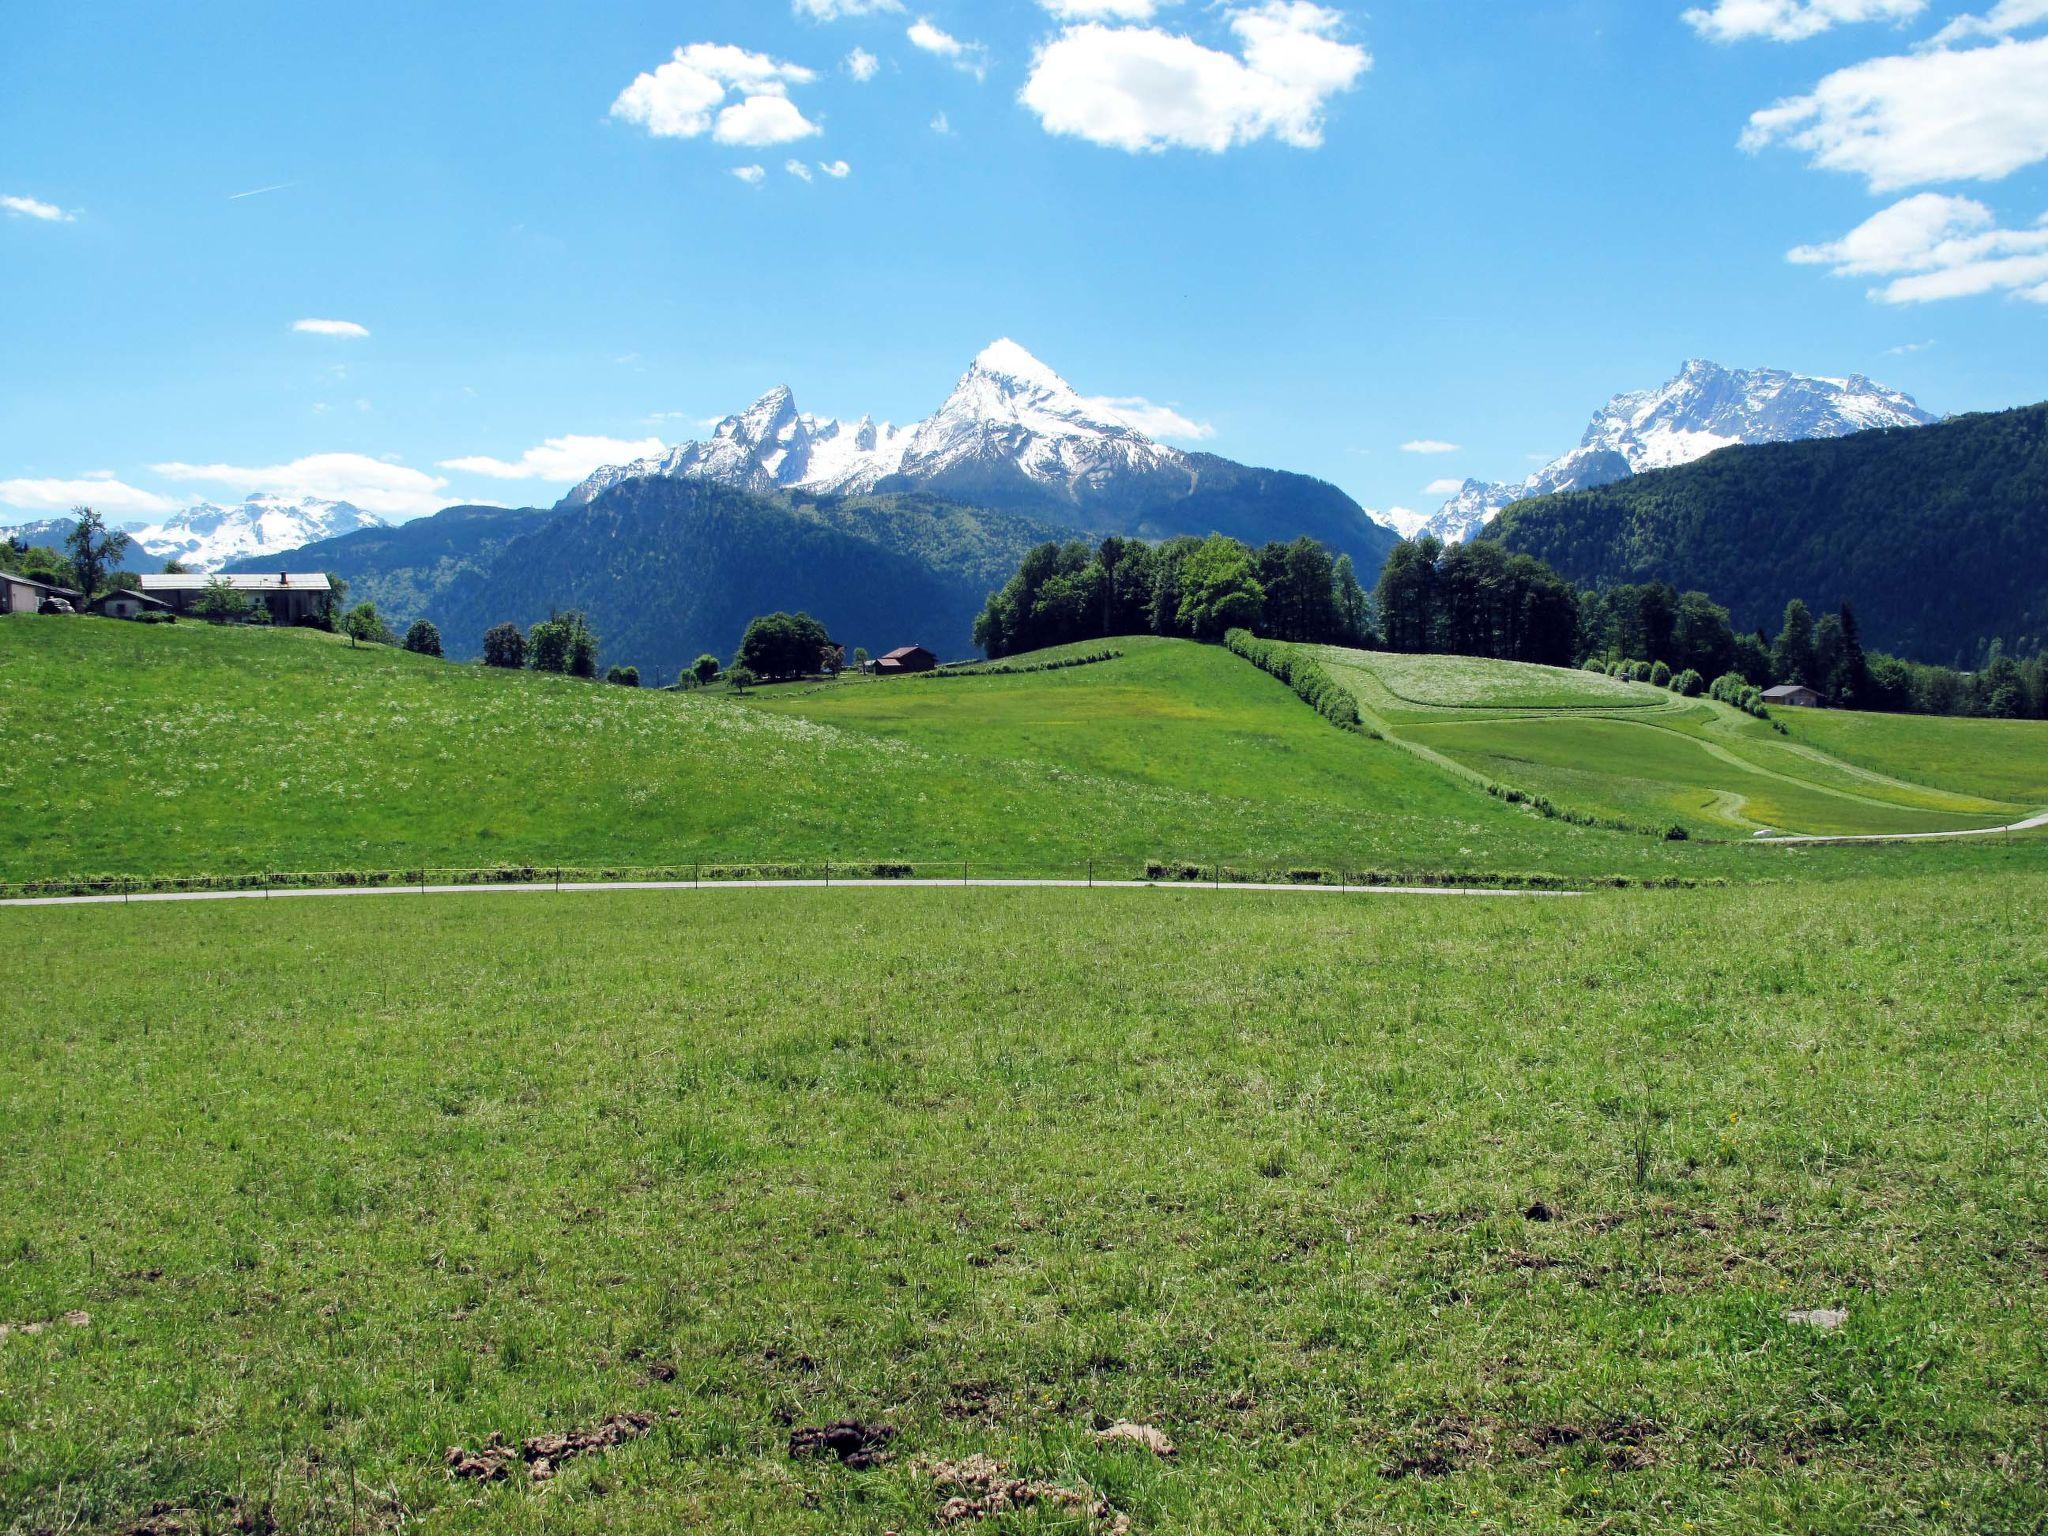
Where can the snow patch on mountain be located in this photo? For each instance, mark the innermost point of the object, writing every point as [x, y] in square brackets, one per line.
[207, 536]
[1705, 408]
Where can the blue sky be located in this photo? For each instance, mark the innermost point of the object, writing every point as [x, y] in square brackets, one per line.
[1317, 232]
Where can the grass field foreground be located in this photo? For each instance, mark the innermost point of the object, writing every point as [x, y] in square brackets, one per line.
[1474, 1216]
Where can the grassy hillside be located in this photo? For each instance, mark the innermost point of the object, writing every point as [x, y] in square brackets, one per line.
[1627, 750]
[1961, 505]
[202, 749]
[185, 749]
[1396, 1216]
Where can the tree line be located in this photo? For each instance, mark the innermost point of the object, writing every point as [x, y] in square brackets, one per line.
[1473, 599]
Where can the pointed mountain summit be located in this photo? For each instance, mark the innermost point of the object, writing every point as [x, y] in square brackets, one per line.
[1013, 436]
[1705, 408]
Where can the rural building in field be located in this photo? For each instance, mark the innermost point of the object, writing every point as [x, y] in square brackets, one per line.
[1797, 695]
[905, 658]
[124, 604]
[289, 595]
[21, 594]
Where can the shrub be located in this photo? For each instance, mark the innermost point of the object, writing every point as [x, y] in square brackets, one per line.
[1687, 684]
[1595, 664]
[625, 677]
[422, 639]
[1660, 675]
[1301, 672]
[504, 646]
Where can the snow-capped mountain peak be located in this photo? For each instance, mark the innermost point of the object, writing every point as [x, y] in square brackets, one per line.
[1011, 427]
[206, 536]
[1704, 408]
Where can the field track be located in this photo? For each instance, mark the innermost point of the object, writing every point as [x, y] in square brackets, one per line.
[575, 886]
[1918, 837]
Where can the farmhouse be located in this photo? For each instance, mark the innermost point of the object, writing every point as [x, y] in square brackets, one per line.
[21, 594]
[290, 596]
[124, 604]
[1796, 695]
[906, 658]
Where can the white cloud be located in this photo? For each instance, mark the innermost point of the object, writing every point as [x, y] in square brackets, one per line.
[686, 97]
[1150, 419]
[2003, 19]
[798, 169]
[36, 208]
[561, 459]
[1933, 247]
[1791, 21]
[832, 10]
[1974, 114]
[941, 124]
[1430, 445]
[375, 485]
[1448, 487]
[862, 65]
[98, 490]
[1140, 88]
[1907, 349]
[329, 328]
[838, 170]
[1103, 10]
[971, 57]
[752, 175]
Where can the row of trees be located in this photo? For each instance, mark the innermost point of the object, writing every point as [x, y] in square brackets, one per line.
[1197, 588]
[1476, 599]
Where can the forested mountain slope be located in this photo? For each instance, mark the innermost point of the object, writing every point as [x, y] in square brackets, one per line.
[1938, 535]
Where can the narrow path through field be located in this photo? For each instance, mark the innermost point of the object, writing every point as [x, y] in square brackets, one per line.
[1916, 837]
[551, 888]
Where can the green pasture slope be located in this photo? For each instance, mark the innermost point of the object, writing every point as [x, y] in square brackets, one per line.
[1397, 1215]
[1626, 750]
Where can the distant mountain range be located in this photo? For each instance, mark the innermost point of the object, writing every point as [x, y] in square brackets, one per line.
[1934, 534]
[1705, 408]
[207, 536]
[1015, 436]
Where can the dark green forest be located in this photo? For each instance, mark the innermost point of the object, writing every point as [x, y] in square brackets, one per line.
[1937, 536]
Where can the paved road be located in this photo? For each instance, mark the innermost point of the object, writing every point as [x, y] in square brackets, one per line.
[1917, 837]
[762, 885]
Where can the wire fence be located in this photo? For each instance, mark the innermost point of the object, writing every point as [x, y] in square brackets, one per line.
[1085, 869]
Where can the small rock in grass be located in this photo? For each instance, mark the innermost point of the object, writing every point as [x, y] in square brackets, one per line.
[1827, 1319]
[1142, 1435]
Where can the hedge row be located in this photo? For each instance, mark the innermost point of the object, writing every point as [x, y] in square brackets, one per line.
[1301, 672]
[1544, 806]
[999, 670]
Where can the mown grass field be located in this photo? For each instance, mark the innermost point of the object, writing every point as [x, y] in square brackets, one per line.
[1640, 754]
[1394, 1214]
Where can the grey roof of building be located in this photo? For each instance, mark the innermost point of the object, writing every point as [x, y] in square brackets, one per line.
[282, 581]
[41, 586]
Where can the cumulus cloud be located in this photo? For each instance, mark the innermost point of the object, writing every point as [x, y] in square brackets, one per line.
[838, 170]
[1974, 114]
[1446, 487]
[688, 97]
[97, 489]
[797, 168]
[1430, 445]
[1144, 89]
[862, 65]
[752, 175]
[1103, 10]
[1933, 247]
[347, 328]
[1153, 420]
[562, 459]
[35, 208]
[1791, 21]
[2003, 19]
[971, 57]
[832, 10]
[375, 485]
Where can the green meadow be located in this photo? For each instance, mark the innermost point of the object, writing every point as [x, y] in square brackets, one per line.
[1602, 747]
[1393, 1214]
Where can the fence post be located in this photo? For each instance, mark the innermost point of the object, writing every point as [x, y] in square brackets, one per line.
[1091, 874]
[963, 871]
[558, 879]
